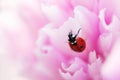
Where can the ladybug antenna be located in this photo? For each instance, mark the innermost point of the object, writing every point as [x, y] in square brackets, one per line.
[77, 32]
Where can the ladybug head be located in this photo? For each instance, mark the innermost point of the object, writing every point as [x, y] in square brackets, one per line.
[71, 38]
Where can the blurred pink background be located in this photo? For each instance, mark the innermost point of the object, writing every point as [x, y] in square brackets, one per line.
[34, 41]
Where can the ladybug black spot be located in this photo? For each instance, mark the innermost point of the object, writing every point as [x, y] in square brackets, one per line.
[81, 46]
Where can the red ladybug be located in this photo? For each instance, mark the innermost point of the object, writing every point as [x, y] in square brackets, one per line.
[76, 43]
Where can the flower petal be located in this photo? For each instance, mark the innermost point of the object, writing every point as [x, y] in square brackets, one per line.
[110, 69]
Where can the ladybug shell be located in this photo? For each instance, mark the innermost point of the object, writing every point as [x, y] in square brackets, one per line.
[80, 46]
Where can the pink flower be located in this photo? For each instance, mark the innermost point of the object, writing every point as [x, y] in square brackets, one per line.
[35, 34]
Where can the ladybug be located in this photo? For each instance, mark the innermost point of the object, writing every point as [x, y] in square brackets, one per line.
[77, 44]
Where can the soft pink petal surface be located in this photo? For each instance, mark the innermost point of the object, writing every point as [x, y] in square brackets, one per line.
[34, 35]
